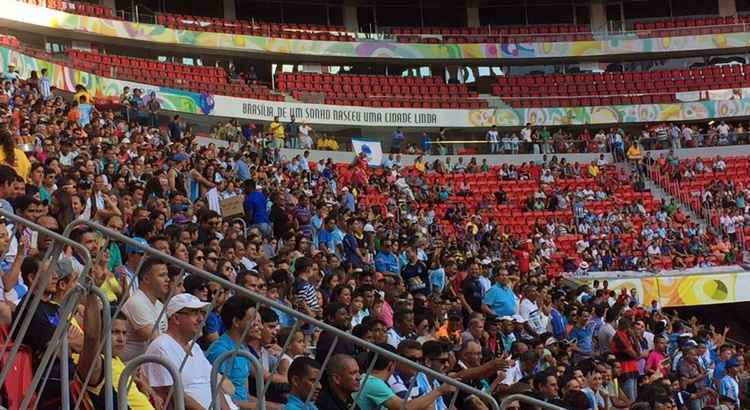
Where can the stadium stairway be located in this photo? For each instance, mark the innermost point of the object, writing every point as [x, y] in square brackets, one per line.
[659, 193]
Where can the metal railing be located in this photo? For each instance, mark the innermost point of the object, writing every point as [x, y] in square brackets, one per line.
[179, 398]
[58, 343]
[528, 400]
[259, 300]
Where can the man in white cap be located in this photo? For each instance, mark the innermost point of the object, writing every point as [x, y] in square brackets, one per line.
[185, 313]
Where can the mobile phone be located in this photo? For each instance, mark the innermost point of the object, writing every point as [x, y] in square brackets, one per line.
[34, 239]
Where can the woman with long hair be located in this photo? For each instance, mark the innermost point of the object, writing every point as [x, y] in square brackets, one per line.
[62, 207]
[12, 156]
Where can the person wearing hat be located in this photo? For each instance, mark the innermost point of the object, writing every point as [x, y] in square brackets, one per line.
[185, 314]
[728, 385]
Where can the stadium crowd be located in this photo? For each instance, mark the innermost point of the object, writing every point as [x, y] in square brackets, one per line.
[397, 256]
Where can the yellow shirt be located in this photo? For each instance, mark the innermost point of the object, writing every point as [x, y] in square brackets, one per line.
[594, 170]
[634, 152]
[111, 287]
[277, 130]
[22, 165]
[136, 399]
[420, 166]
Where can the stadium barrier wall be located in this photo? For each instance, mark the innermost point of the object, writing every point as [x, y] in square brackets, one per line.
[677, 289]
[66, 78]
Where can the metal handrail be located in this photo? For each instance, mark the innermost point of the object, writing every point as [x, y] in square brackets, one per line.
[528, 400]
[215, 368]
[33, 302]
[338, 333]
[122, 386]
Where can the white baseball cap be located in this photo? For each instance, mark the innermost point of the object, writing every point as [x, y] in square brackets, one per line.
[184, 301]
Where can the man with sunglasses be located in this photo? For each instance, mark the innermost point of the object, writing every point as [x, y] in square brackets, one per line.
[437, 357]
[176, 345]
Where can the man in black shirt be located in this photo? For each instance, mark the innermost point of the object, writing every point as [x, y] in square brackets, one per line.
[336, 314]
[44, 320]
[472, 295]
[342, 379]
[279, 217]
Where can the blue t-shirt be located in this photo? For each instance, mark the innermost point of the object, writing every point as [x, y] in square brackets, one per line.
[85, 110]
[325, 238]
[501, 300]
[257, 204]
[214, 323]
[295, 403]
[584, 336]
[350, 246]
[240, 368]
[387, 262]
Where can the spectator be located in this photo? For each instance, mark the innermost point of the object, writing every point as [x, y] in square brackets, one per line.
[185, 314]
[143, 308]
[375, 393]
[500, 299]
[240, 318]
[342, 383]
[304, 374]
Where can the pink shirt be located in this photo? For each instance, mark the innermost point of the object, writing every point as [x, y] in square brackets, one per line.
[653, 362]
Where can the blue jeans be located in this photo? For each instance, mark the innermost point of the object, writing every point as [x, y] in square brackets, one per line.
[630, 386]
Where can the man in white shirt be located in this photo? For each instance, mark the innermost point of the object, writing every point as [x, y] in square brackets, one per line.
[719, 164]
[529, 310]
[526, 135]
[186, 313]
[492, 138]
[143, 308]
[723, 129]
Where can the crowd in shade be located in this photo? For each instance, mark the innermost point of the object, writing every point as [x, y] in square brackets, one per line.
[460, 274]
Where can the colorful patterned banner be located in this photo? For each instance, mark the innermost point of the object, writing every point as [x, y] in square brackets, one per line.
[260, 110]
[691, 290]
[66, 78]
[25, 13]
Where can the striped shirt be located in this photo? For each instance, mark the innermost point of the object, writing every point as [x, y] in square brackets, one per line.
[305, 291]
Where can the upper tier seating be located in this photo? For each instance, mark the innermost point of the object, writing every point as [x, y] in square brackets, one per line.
[691, 26]
[494, 34]
[615, 88]
[263, 29]
[381, 91]
[76, 7]
[212, 80]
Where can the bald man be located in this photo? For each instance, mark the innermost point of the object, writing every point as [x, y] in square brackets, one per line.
[341, 380]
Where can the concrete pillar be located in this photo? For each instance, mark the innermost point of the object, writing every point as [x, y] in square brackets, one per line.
[727, 8]
[351, 21]
[598, 15]
[230, 10]
[472, 13]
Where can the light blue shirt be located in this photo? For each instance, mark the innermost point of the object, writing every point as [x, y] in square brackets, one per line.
[240, 365]
[424, 386]
[387, 262]
[730, 388]
[501, 300]
[243, 171]
[295, 403]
